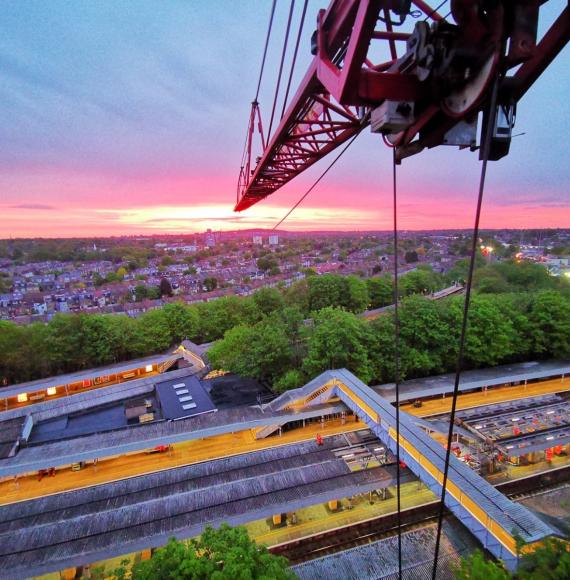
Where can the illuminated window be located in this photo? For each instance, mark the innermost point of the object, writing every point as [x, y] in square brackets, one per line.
[52, 390]
[22, 397]
[149, 368]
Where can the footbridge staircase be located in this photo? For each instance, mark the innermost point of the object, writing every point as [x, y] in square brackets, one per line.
[495, 520]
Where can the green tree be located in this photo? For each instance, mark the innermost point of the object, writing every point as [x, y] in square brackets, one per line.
[99, 343]
[381, 349]
[218, 316]
[513, 276]
[425, 337]
[268, 300]
[11, 342]
[140, 292]
[298, 295]
[356, 295]
[516, 307]
[266, 263]
[5, 283]
[477, 567]
[349, 292]
[165, 287]
[490, 334]
[224, 553]
[490, 281]
[292, 379]
[549, 319]
[152, 333]
[339, 340]
[549, 561]
[97, 279]
[327, 290]
[459, 271]
[420, 281]
[411, 256]
[121, 273]
[380, 291]
[210, 283]
[183, 321]
[65, 342]
[261, 351]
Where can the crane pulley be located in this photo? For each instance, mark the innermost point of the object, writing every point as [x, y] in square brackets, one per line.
[420, 86]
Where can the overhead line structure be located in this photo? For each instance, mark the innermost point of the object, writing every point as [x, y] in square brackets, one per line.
[435, 76]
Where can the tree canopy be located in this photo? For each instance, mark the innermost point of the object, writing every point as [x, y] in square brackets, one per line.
[307, 328]
[550, 560]
[218, 554]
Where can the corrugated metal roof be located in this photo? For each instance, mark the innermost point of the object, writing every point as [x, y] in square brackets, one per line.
[380, 559]
[69, 378]
[113, 519]
[93, 398]
[438, 385]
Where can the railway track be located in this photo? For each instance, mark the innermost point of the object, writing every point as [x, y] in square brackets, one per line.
[379, 528]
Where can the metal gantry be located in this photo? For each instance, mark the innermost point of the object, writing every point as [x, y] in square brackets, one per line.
[417, 77]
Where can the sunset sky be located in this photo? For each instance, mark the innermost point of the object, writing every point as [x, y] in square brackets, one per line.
[129, 117]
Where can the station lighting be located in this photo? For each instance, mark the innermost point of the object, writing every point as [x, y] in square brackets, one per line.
[22, 397]
[550, 438]
[52, 390]
[148, 368]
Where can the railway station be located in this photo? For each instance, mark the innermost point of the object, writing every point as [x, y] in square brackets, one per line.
[296, 465]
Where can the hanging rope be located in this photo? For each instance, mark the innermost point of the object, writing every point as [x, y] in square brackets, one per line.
[460, 357]
[316, 182]
[397, 361]
[283, 53]
[294, 57]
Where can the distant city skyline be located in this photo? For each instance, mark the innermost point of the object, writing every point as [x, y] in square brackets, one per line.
[119, 119]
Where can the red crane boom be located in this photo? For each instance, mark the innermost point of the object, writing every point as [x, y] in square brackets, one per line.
[420, 87]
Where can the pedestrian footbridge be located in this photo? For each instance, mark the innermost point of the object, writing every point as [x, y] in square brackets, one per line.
[494, 519]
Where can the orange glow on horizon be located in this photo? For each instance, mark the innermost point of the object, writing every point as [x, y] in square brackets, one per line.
[423, 214]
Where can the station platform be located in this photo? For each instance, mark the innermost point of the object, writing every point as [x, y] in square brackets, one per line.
[499, 394]
[318, 518]
[491, 517]
[121, 466]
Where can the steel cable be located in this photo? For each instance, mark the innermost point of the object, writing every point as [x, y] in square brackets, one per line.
[270, 26]
[294, 57]
[316, 182]
[283, 53]
[464, 322]
[397, 360]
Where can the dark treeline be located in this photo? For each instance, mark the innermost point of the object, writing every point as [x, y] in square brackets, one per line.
[270, 336]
